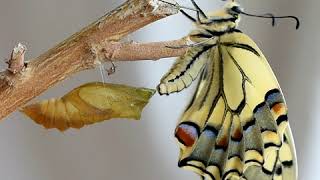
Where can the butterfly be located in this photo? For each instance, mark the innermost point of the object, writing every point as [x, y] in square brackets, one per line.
[236, 125]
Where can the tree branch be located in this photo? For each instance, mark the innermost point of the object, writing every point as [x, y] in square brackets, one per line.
[117, 51]
[81, 51]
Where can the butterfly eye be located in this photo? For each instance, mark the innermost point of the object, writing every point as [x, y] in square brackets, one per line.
[235, 10]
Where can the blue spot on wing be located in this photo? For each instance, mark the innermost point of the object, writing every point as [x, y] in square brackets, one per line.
[273, 96]
[191, 130]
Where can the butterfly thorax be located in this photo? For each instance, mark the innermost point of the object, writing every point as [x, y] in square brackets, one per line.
[217, 23]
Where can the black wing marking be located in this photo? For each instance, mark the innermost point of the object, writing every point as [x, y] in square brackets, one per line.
[231, 140]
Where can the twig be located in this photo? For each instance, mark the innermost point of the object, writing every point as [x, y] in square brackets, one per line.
[117, 51]
[75, 53]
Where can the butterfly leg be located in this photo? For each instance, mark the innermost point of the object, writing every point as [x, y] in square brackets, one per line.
[182, 11]
[199, 11]
[188, 16]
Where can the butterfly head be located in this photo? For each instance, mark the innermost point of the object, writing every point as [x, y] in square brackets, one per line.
[224, 19]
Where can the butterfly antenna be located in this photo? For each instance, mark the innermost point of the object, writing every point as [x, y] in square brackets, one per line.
[273, 18]
[269, 16]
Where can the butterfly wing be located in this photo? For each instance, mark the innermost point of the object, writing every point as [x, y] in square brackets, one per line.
[236, 123]
[185, 70]
[264, 96]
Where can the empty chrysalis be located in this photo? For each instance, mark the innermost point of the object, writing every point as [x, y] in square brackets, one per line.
[88, 104]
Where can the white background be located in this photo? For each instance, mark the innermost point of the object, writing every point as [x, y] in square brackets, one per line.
[144, 150]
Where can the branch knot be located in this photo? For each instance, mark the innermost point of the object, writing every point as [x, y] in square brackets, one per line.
[16, 62]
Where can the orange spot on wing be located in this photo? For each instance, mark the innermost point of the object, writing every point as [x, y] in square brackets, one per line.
[277, 108]
[223, 142]
[237, 134]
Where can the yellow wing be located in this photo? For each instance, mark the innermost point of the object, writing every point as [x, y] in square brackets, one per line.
[236, 125]
[184, 71]
[88, 104]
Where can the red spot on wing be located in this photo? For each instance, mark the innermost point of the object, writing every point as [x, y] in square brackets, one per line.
[185, 137]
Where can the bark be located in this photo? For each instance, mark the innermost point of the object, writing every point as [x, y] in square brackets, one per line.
[96, 42]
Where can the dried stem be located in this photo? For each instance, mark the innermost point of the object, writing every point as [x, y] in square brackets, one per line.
[79, 53]
[117, 51]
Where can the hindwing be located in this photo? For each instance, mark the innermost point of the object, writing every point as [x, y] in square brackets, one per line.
[236, 124]
[185, 70]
